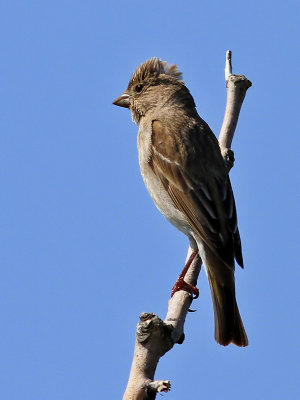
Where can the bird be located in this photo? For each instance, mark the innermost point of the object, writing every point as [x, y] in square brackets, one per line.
[183, 169]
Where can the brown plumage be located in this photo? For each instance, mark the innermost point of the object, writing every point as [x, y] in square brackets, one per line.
[185, 174]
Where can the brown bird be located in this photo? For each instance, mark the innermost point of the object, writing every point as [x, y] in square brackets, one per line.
[184, 172]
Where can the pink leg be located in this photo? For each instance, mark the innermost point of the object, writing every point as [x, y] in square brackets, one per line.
[181, 284]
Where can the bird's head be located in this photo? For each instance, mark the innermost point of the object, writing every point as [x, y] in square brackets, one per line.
[153, 84]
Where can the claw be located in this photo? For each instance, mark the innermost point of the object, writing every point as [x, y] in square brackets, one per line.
[181, 284]
[195, 291]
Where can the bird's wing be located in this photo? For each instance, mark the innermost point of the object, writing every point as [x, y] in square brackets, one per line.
[190, 166]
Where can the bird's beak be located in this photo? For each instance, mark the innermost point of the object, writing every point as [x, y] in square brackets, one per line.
[122, 101]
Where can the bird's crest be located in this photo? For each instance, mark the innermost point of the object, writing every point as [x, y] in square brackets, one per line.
[152, 68]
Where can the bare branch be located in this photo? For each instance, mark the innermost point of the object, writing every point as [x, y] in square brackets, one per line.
[153, 340]
[180, 303]
[155, 337]
[228, 66]
[237, 86]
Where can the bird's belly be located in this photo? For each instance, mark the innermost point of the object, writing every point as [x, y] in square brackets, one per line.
[163, 201]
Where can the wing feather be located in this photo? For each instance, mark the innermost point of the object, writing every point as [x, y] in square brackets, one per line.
[191, 168]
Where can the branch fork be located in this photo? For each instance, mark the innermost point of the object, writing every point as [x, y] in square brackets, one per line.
[155, 337]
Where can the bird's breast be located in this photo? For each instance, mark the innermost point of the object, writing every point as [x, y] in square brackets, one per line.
[154, 185]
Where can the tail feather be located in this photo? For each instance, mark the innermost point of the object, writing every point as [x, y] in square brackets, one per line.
[229, 327]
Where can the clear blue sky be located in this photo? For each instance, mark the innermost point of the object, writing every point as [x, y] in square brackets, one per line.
[83, 249]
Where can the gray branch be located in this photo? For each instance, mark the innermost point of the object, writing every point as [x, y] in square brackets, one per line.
[236, 85]
[155, 337]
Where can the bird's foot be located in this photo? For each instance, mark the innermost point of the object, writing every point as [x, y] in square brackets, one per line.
[181, 284]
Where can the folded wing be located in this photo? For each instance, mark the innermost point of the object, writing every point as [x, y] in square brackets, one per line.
[192, 170]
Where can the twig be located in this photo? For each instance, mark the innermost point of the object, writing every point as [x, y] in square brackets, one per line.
[155, 337]
[228, 66]
[237, 86]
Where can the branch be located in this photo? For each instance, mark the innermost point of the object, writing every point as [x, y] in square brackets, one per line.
[236, 85]
[155, 337]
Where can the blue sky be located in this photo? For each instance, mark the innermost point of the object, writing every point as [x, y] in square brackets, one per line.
[83, 249]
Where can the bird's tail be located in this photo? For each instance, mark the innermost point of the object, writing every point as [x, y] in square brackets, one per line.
[229, 327]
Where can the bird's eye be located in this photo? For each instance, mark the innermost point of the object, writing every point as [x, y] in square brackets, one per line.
[138, 88]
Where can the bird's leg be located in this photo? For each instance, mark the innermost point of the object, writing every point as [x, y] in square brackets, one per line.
[181, 283]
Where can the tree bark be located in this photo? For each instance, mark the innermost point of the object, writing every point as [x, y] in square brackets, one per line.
[155, 337]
